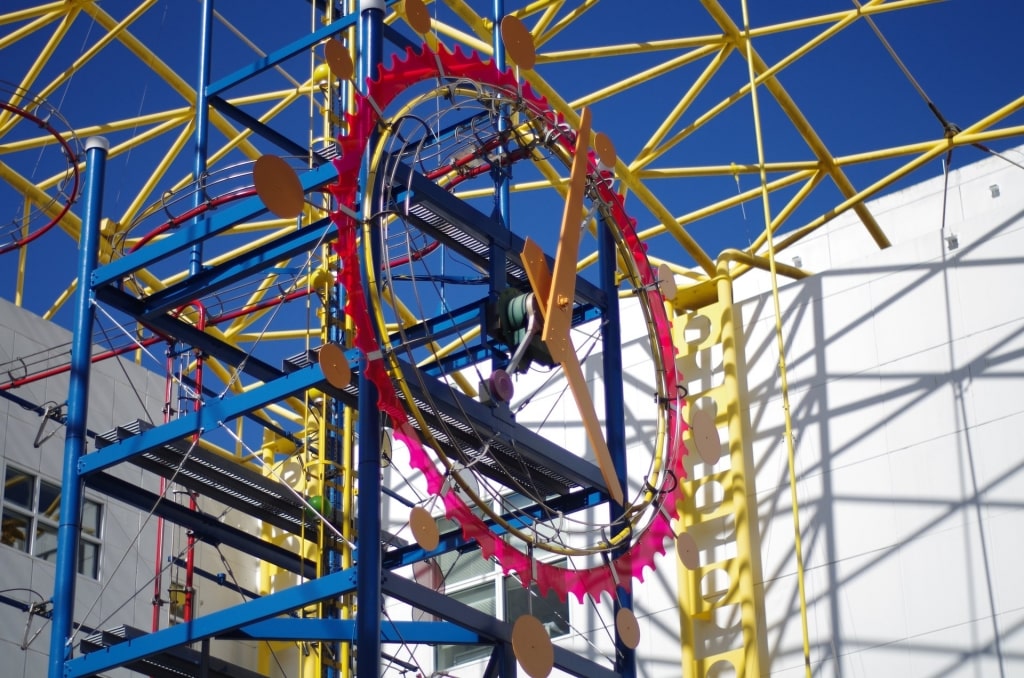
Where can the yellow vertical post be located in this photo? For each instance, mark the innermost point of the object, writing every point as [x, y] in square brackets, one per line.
[721, 600]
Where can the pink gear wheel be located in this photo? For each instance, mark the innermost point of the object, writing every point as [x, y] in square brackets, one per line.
[621, 564]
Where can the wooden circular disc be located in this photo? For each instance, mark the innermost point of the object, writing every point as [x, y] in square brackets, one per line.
[628, 628]
[339, 60]
[532, 646]
[424, 528]
[705, 436]
[519, 42]
[605, 150]
[667, 282]
[278, 186]
[418, 16]
[686, 549]
[334, 365]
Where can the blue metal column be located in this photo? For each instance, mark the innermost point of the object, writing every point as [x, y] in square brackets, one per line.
[501, 174]
[78, 401]
[202, 120]
[368, 504]
[611, 355]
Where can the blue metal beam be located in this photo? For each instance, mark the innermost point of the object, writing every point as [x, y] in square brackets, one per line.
[443, 606]
[206, 528]
[368, 500]
[450, 323]
[279, 55]
[290, 147]
[65, 574]
[218, 578]
[481, 227]
[488, 425]
[329, 630]
[216, 624]
[453, 540]
[615, 415]
[200, 229]
[253, 262]
[190, 335]
[208, 418]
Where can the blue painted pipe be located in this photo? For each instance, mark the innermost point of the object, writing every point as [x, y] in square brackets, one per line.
[615, 418]
[368, 503]
[78, 401]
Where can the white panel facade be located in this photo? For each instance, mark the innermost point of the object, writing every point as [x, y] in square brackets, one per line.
[905, 373]
[120, 392]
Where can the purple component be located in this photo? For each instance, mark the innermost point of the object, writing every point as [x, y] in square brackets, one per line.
[500, 385]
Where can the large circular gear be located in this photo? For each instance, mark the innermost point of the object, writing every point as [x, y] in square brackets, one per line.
[625, 547]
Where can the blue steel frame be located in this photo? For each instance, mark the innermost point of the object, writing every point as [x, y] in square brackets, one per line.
[78, 403]
[370, 578]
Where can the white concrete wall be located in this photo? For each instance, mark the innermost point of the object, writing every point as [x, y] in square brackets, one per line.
[23, 334]
[905, 373]
[120, 392]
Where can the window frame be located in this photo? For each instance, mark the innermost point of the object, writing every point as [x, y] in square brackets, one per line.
[40, 520]
[500, 584]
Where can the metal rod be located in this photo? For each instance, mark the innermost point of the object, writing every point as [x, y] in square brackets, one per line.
[78, 401]
[368, 553]
[614, 418]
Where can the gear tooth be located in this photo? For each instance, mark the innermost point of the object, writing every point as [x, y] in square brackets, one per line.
[464, 56]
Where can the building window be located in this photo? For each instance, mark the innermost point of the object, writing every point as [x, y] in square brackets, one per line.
[31, 515]
[473, 581]
[552, 612]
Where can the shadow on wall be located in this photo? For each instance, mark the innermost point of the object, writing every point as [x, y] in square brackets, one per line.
[904, 389]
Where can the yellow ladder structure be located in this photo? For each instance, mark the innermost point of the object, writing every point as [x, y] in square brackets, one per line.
[721, 601]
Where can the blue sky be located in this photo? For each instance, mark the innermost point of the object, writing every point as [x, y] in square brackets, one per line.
[964, 53]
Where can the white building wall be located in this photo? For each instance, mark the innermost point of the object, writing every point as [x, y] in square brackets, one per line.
[905, 372]
[120, 392]
[110, 600]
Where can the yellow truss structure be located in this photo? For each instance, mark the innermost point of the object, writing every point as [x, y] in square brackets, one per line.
[62, 50]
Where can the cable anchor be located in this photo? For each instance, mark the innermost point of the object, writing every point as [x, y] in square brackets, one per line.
[53, 412]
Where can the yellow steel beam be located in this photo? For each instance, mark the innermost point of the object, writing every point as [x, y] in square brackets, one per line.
[7, 119]
[550, 12]
[769, 228]
[719, 522]
[564, 22]
[31, 27]
[797, 118]
[756, 261]
[683, 105]
[157, 174]
[784, 214]
[726, 170]
[34, 11]
[974, 134]
[478, 25]
[728, 203]
[632, 48]
[643, 76]
[643, 160]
